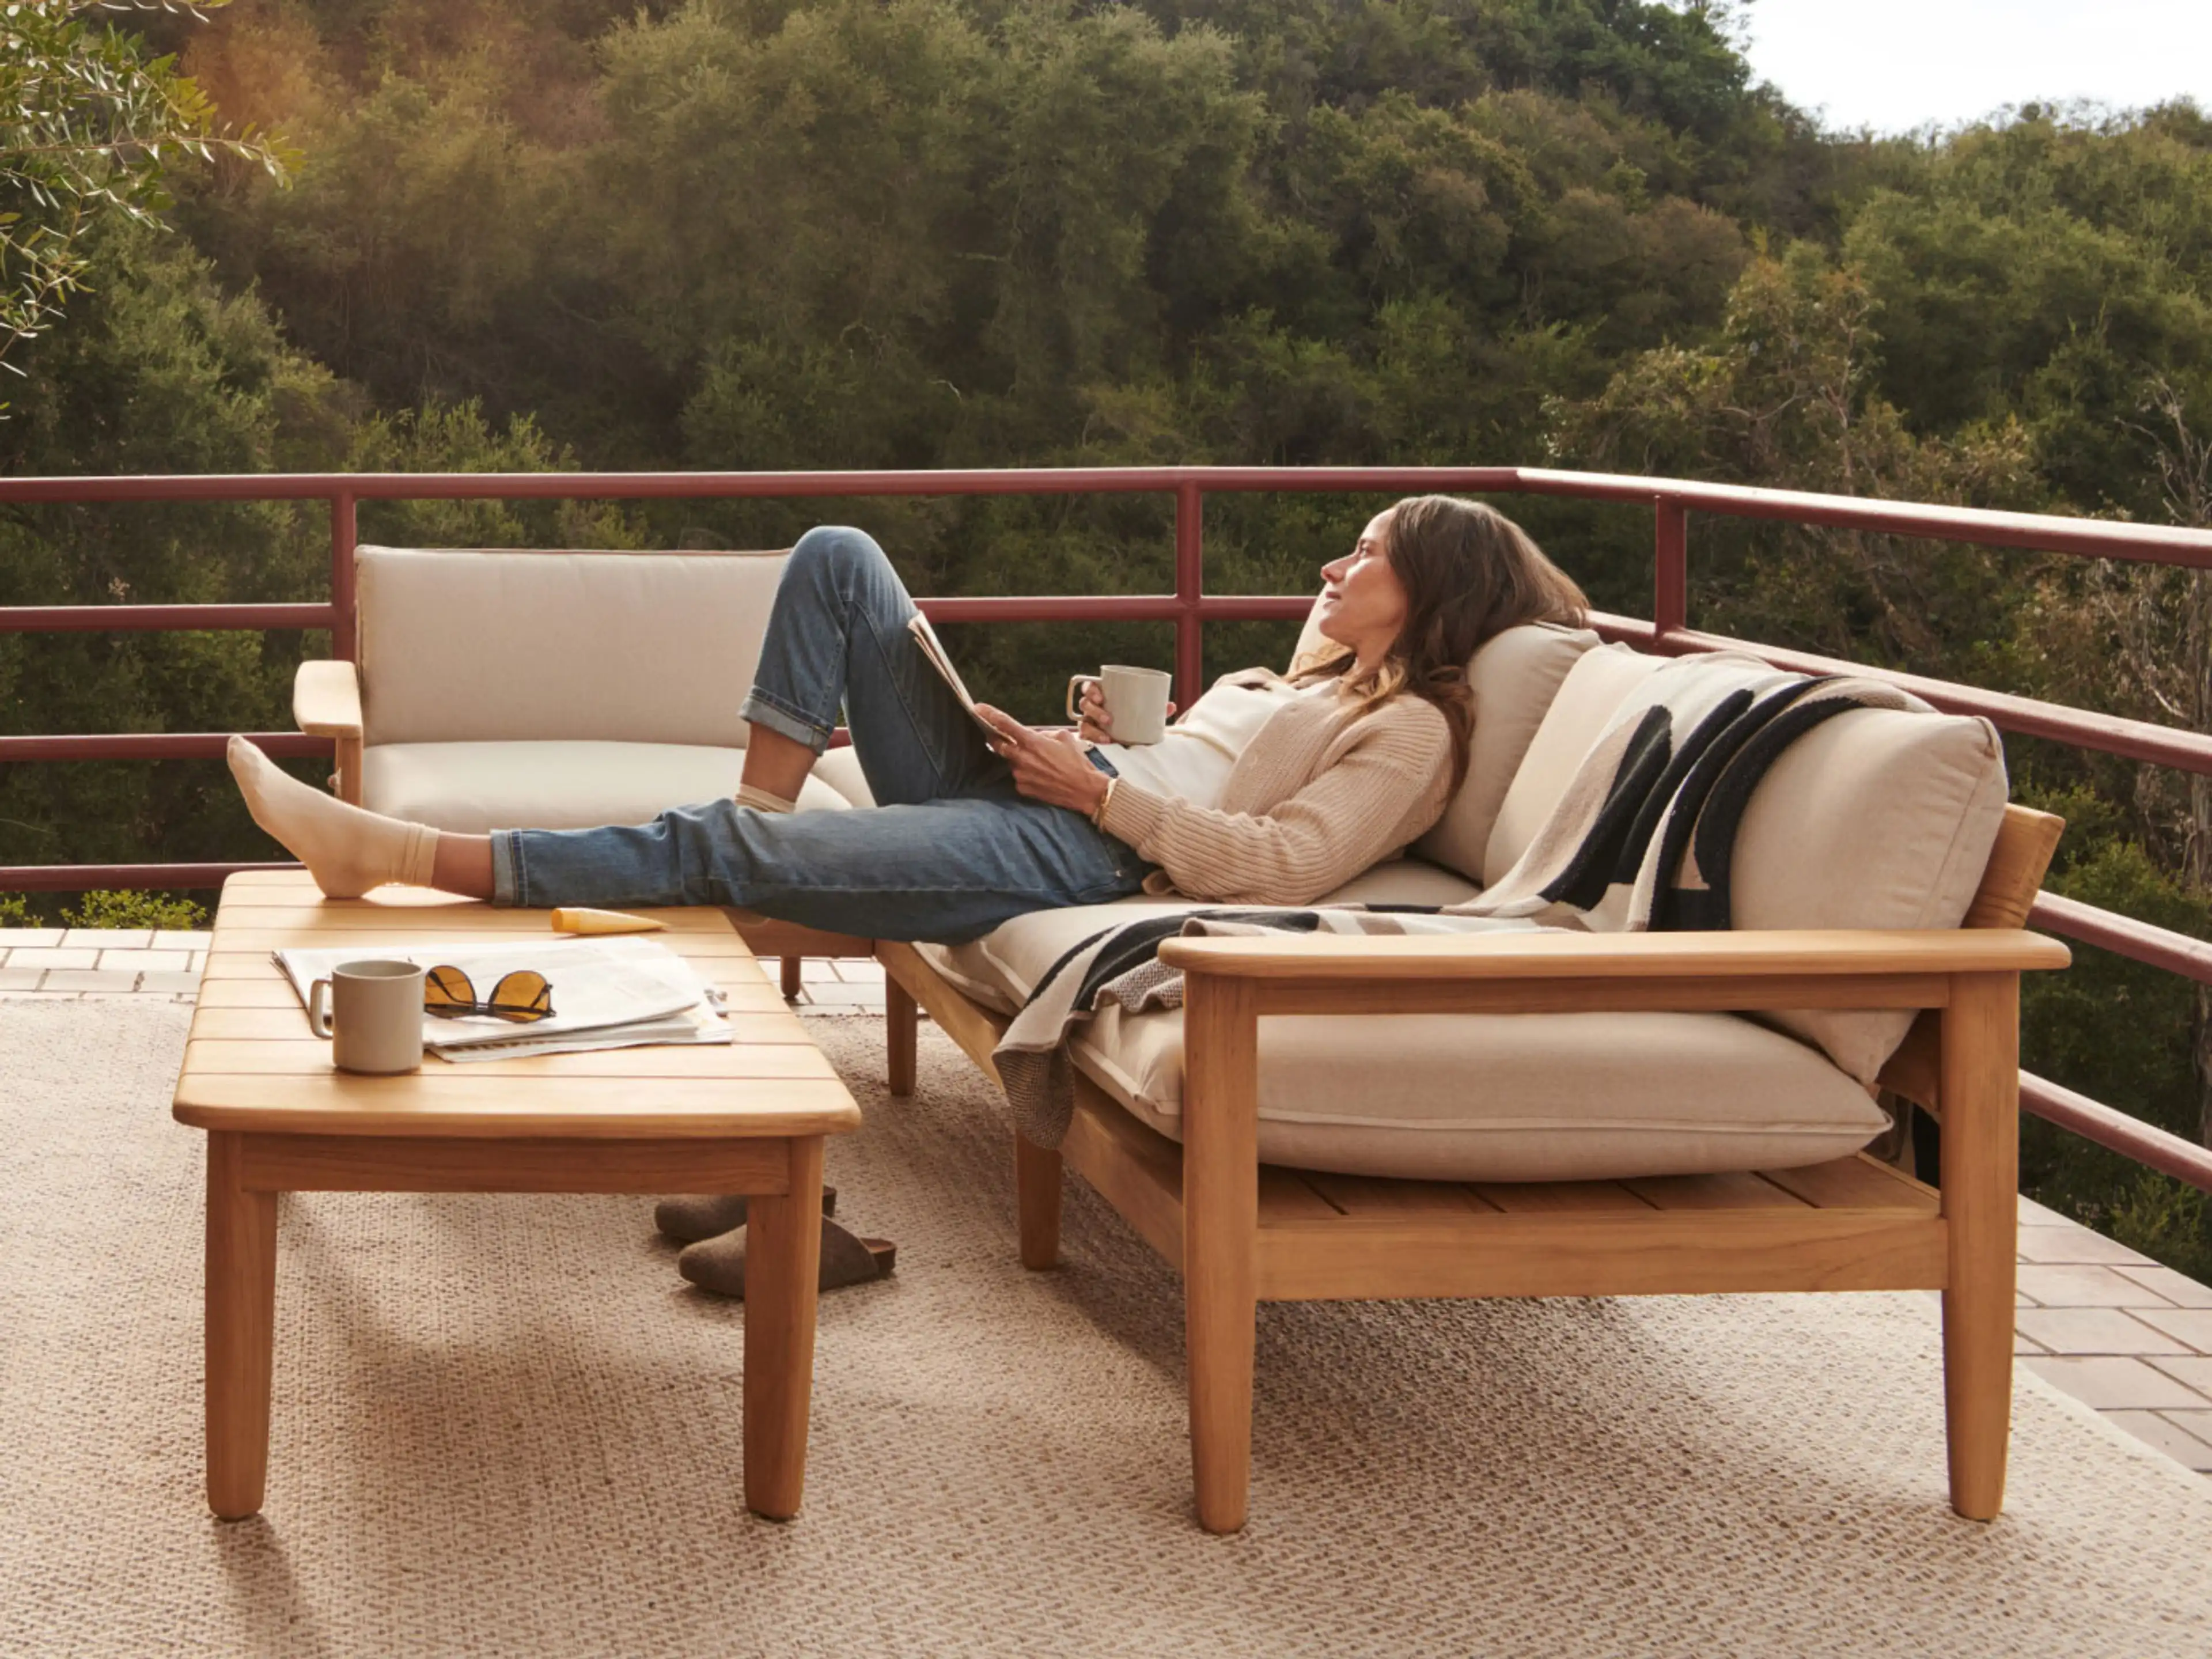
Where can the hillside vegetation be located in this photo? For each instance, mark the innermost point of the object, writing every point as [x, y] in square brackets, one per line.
[755, 234]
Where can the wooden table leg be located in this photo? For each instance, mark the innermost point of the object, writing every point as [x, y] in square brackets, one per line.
[783, 1261]
[241, 1332]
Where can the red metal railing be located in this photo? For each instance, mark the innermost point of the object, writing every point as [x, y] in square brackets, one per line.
[1190, 607]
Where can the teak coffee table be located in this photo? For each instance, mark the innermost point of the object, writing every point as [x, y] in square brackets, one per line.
[748, 1118]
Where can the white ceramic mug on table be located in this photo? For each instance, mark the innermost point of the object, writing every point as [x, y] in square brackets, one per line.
[372, 1016]
[1136, 700]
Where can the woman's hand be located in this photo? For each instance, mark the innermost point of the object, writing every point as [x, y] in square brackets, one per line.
[1096, 724]
[1049, 766]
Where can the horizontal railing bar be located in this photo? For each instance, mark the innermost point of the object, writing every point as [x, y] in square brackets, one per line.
[179, 618]
[1043, 607]
[82, 878]
[1150, 607]
[2158, 544]
[2109, 734]
[1983, 526]
[158, 746]
[704, 486]
[2130, 1137]
[2139, 941]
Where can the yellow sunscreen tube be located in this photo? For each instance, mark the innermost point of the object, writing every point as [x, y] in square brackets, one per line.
[602, 921]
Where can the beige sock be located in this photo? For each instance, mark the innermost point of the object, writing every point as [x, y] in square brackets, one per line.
[347, 850]
[760, 800]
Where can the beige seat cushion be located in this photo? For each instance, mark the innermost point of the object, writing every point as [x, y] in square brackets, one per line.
[482, 647]
[1510, 1096]
[475, 787]
[1461, 1096]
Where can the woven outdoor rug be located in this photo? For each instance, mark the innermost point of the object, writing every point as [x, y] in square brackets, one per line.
[504, 1425]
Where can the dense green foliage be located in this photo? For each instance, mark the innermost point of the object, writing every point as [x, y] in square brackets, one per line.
[87, 121]
[753, 233]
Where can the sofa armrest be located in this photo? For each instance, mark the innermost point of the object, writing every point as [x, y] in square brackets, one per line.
[1534, 972]
[326, 700]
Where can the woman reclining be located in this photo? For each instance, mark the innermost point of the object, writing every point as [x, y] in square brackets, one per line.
[1269, 791]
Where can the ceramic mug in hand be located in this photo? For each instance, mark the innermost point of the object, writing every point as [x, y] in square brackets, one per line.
[372, 1016]
[1136, 700]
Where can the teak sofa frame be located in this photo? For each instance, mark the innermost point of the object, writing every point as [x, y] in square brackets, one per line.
[1243, 1232]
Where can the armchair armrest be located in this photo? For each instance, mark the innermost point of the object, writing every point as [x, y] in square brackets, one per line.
[1531, 973]
[326, 703]
[326, 700]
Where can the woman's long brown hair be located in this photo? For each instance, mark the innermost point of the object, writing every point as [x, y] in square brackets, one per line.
[1469, 572]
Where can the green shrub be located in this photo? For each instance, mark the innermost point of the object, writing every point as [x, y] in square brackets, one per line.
[110, 908]
[16, 911]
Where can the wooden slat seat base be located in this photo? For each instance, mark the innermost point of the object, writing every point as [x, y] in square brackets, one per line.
[1849, 1225]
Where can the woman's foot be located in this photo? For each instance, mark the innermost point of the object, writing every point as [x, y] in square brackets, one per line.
[346, 849]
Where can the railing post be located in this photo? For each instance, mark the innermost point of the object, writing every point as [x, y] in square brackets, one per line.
[1670, 570]
[345, 531]
[1190, 576]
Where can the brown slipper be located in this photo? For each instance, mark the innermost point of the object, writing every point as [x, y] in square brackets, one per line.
[718, 1264]
[707, 1215]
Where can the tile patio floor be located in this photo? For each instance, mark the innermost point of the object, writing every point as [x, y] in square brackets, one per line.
[2115, 1329]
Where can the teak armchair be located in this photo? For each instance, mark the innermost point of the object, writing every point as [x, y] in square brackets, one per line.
[1242, 1232]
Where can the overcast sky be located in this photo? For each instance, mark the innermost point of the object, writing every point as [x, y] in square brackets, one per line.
[1897, 64]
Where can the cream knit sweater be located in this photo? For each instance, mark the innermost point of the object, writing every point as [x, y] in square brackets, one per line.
[1326, 789]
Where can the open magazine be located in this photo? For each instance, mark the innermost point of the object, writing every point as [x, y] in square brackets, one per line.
[619, 992]
[933, 648]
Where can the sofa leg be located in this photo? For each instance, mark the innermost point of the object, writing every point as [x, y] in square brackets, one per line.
[1220, 1227]
[1037, 1202]
[793, 977]
[1981, 1197]
[899, 1037]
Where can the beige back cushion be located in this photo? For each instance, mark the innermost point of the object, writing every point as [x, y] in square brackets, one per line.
[1598, 683]
[628, 647]
[1878, 818]
[1514, 676]
[1875, 819]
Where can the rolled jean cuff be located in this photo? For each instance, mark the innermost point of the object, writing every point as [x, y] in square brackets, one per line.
[507, 883]
[761, 708]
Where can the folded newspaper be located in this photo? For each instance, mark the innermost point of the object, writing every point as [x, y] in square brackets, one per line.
[621, 992]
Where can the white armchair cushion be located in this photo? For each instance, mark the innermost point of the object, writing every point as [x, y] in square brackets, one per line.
[475, 787]
[479, 647]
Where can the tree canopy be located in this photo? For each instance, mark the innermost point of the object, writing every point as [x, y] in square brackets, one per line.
[766, 233]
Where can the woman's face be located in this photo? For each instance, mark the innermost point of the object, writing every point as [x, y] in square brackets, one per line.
[1362, 603]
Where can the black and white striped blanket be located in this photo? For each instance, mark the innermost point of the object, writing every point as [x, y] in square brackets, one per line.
[1641, 839]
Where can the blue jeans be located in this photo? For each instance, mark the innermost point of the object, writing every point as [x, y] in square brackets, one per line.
[949, 851]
